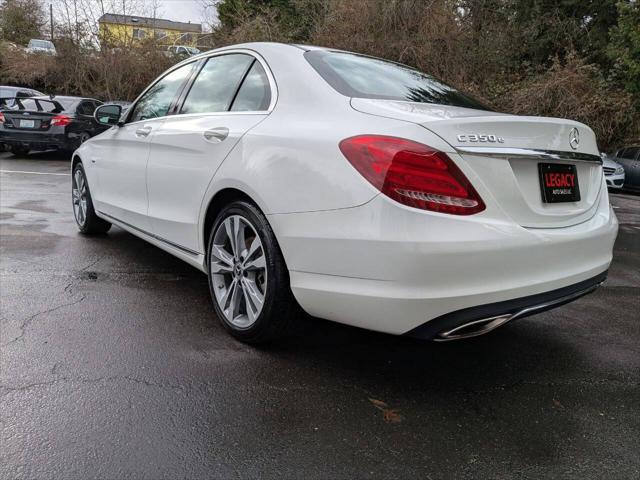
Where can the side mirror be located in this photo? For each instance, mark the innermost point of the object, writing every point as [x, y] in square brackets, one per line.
[108, 115]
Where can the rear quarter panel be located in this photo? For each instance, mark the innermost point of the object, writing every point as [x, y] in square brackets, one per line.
[291, 162]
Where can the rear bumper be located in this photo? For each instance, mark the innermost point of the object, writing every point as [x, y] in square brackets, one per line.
[474, 321]
[388, 268]
[37, 141]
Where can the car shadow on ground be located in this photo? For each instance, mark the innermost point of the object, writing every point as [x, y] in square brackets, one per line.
[46, 155]
[519, 352]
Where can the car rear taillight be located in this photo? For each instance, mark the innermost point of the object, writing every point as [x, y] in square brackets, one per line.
[60, 121]
[1, 117]
[412, 173]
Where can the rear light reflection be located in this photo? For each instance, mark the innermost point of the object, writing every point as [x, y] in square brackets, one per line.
[413, 174]
[60, 121]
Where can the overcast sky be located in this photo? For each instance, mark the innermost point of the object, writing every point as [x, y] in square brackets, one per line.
[182, 10]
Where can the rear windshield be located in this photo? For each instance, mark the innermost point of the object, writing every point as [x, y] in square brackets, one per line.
[367, 77]
[40, 44]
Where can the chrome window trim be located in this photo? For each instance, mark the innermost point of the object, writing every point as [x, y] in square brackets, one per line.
[531, 153]
[205, 56]
[216, 114]
[247, 51]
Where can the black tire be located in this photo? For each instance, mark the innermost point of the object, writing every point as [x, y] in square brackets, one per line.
[20, 151]
[279, 309]
[88, 223]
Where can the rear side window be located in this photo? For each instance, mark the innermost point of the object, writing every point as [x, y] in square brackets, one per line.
[85, 108]
[216, 84]
[366, 77]
[254, 94]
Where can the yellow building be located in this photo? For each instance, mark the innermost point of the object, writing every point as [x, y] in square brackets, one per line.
[124, 29]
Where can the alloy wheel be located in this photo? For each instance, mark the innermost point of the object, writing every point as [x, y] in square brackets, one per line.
[238, 271]
[79, 194]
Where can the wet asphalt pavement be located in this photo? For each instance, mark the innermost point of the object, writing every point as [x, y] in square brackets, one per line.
[113, 365]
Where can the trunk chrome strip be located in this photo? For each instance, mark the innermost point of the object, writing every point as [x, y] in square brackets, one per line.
[531, 153]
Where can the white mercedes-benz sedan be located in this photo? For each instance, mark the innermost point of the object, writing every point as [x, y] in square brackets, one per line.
[359, 189]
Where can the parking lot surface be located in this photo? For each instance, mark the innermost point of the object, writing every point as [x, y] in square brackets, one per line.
[113, 365]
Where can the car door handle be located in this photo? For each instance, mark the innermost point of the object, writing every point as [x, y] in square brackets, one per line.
[216, 135]
[143, 131]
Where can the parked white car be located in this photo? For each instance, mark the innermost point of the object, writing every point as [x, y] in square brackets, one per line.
[41, 46]
[182, 50]
[359, 189]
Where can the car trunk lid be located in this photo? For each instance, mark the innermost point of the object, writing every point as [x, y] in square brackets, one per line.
[506, 151]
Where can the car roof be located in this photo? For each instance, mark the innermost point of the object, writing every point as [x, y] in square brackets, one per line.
[255, 46]
[13, 87]
[68, 98]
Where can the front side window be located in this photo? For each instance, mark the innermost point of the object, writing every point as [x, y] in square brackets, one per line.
[216, 84]
[254, 94]
[359, 76]
[157, 100]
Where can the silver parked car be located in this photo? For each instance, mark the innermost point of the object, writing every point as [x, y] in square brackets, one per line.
[613, 172]
[41, 46]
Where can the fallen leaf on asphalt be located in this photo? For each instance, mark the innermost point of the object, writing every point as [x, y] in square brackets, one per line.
[378, 403]
[389, 415]
[557, 404]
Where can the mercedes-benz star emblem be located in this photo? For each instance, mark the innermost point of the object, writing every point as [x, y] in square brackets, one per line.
[574, 138]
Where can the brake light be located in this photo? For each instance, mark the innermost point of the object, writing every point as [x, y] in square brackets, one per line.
[60, 121]
[413, 174]
[1, 117]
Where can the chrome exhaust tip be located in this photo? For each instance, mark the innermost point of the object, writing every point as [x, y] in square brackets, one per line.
[473, 329]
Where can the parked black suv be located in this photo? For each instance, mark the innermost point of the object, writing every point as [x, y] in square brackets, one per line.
[43, 123]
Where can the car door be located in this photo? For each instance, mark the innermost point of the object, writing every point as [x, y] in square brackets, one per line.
[628, 158]
[231, 94]
[120, 154]
[635, 170]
